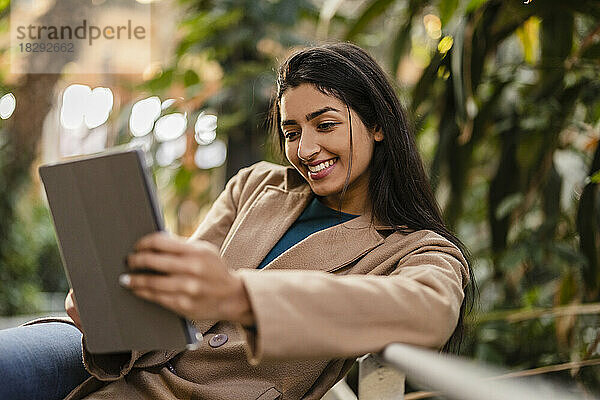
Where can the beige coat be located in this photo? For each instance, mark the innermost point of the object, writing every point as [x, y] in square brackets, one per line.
[342, 292]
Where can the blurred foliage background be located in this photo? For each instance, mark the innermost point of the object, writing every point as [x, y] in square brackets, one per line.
[505, 98]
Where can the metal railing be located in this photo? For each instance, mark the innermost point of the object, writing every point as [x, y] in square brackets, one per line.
[381, 377]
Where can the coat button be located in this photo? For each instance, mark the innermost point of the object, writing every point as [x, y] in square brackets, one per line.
[218, 340]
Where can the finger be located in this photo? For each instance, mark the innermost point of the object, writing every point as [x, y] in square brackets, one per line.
[76, 319]
[202, 245]
[162, 242]
[68, 298]
[72, 297]
[165, 284]
[74, 315]
[176, 303]
[160, 262]
[70, 301]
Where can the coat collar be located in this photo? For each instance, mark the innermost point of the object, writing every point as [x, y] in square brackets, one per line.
[275, 210]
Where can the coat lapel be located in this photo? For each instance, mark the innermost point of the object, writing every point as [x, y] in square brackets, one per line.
[332, 248]
[262, 226]
[271, 215]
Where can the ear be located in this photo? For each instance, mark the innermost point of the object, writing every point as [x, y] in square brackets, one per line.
[378, 134]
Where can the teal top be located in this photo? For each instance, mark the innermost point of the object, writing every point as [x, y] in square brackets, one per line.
[314, 218]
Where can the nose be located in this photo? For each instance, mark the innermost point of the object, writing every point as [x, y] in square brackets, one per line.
[308, 146]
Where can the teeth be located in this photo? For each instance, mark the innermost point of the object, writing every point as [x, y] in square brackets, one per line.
[321, 166]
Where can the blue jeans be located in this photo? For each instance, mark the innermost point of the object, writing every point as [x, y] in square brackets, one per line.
[40, 361]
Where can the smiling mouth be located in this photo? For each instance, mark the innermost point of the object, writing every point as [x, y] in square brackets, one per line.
[319, 167]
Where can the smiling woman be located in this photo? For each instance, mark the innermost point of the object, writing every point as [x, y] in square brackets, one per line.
[316, 128]
[297, 270]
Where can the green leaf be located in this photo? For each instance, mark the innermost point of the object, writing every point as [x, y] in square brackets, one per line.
[182, 181]
[190, 78]
[4, 4]
[447, 9]
[162, 82]
[595, 177]
[474, 5]
[528, 35]
[374, 10]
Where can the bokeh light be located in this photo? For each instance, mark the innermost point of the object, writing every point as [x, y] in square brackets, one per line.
[82, 105]
[98, 107]
[433, 26]
[167, 103]
[73, 105]
[152, 70]
[205, 129]
[211, 156]
[95, 141]
[170, 127]
[143, 115]
[145, 142]
[170, 151]
[8, 102]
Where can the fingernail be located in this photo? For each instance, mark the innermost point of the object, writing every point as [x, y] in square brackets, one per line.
[124, 280]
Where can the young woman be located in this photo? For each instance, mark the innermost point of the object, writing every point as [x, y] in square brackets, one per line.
[298, 270]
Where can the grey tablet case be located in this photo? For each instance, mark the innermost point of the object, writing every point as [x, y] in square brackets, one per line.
[101, 205]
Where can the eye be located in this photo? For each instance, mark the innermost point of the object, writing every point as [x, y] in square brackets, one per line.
[290, 135]
[327, 126]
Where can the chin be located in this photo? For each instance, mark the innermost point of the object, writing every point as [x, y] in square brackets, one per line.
[323, 191]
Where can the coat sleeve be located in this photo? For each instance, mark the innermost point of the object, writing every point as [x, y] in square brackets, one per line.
[315, 314]
[214, 229]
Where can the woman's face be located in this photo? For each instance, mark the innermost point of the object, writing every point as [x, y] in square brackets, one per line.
[317, 143]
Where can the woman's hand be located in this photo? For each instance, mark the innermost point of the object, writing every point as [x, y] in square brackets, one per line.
[71, 308]
[194, 280]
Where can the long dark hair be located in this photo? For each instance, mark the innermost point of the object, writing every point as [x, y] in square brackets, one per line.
[399, 189]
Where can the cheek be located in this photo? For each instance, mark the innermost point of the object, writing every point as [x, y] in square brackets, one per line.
[363, 152]
[291, 152]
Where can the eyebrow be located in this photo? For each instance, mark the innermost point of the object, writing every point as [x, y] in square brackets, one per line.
[311, 115]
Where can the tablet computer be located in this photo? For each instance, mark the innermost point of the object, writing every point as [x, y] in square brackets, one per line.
[101, 206]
